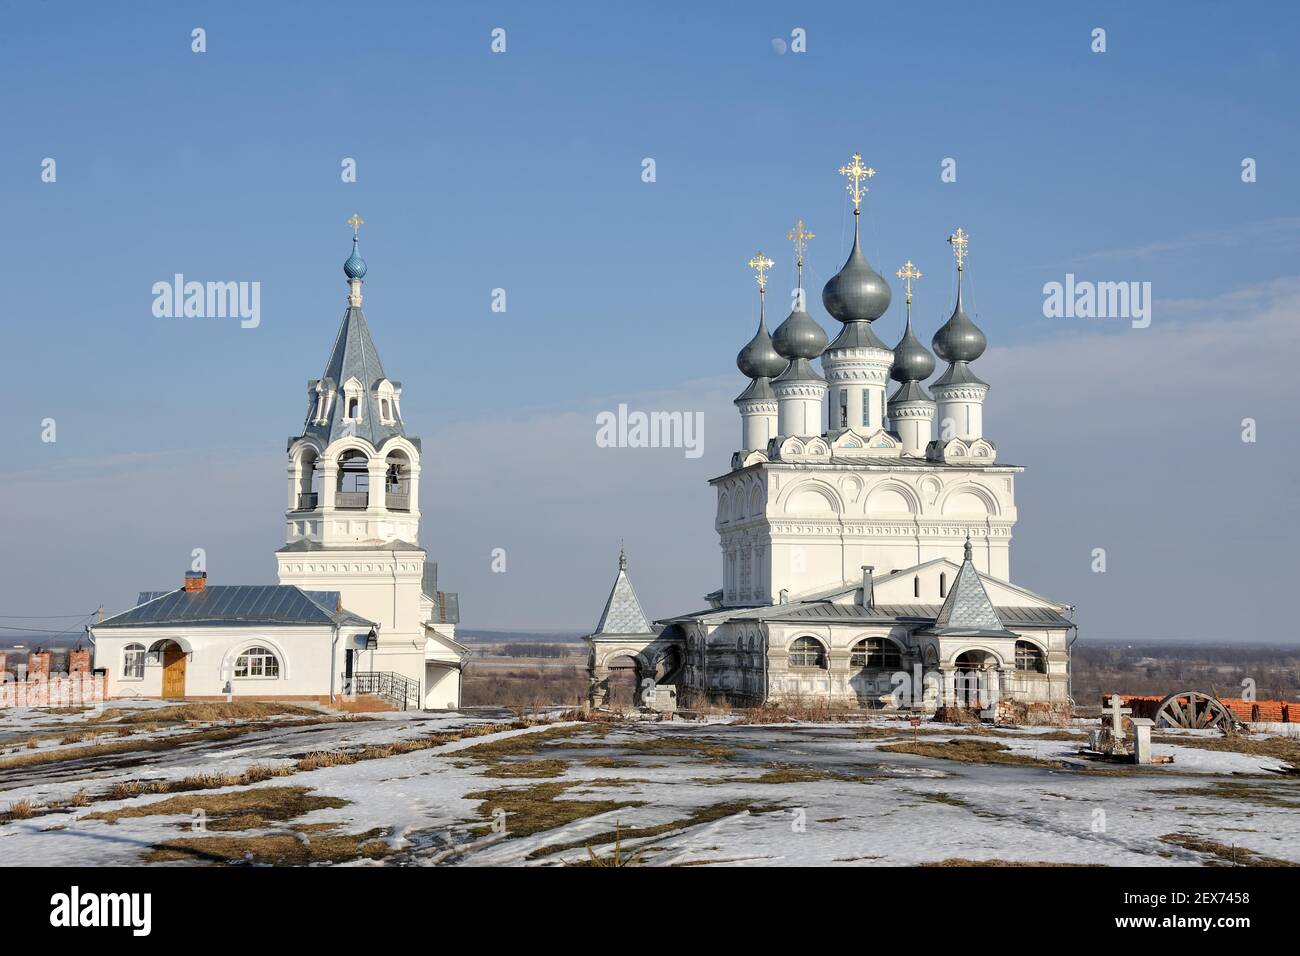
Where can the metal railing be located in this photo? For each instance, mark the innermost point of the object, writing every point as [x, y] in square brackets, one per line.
[396, 501]
[307, 502]
[352, 499]
[402, 692]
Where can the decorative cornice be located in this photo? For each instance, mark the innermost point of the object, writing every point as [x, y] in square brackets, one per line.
[968, 393]
[799, 390]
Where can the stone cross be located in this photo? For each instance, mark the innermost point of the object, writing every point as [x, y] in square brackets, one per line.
[1117, 714]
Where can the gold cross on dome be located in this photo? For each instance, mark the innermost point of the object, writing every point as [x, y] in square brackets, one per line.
[959, 239]
[908, 273]
[857, 172]
[760, 264]
[799, 236]
[356, 222]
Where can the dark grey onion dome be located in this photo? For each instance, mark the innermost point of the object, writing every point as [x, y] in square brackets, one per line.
[799, 370]
[857, 293]
[912, 360]
[759, 359]
[799, 337]
[959, 339]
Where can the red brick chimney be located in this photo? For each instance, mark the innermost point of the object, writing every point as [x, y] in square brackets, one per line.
[196, 580]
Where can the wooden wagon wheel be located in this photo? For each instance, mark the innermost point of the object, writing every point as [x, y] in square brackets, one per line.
[1192, 709]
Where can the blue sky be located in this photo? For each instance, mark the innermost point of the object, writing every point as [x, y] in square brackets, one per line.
[523, 171]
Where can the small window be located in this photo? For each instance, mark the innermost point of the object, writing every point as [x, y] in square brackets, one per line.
[1029, 657]
[387, 415]
[844, 409]
[916, 586]
[943, 584]
[352, 408]
[257, 662]
[876, 652]
[807, 652]
[866, 409]
[133, 662]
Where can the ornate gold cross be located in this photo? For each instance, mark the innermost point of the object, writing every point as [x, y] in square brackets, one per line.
[760, 264]
[799, 236]
[857, 172]
[908, 273]
[959, 239]
[356, 222]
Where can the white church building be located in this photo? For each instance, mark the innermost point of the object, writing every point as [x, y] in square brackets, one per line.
[866, 554]
[357, 610]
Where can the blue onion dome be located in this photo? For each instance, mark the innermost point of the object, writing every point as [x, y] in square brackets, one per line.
[355, 267]
[759, 359]
[857, 293]
[959, 339]
[912, 360]
[799, 336]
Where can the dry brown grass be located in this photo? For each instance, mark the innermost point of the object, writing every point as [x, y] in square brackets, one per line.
[535, 808]
[134, 744]
[201, 781]
[207, 712]
[277, 850]
[1221, 853]
[959, 861]
[808, 711]
[971, 750]
[80, 799]
[232, 810]
[19, 810]
[527, 768]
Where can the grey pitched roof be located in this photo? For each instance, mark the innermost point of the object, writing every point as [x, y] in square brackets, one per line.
[760, 389]
[959, 373]
[623, 613]
[354, 356]
[215, 605]
[967, 609]
[857, 335]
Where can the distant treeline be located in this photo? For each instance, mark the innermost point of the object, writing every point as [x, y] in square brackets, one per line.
[468, 636]
[1225, 670]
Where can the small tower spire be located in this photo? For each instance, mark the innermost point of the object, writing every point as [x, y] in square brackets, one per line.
[959, 391]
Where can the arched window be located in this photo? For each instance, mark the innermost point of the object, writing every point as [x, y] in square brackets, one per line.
[943, 584]
[133, 662]
[916, 585]
[1029, 657]
[807, 652]
[257, 661]
[876, 652]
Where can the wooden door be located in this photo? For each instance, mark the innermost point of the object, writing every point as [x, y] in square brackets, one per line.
[173, 683]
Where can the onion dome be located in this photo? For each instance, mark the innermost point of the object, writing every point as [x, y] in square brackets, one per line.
[758, 359]
[799, 336]
[912, 360]
[857, 293]
[959, 339]
[355, 267]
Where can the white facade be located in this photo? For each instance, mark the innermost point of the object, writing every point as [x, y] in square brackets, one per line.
[309, 660]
